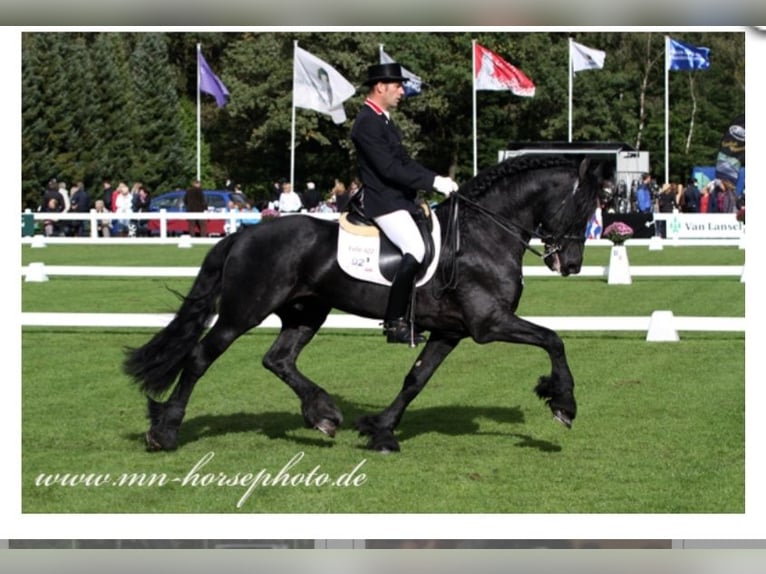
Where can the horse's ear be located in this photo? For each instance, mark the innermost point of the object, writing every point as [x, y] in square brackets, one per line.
[583, 171]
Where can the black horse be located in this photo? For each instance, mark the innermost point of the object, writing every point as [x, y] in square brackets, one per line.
[288, 267]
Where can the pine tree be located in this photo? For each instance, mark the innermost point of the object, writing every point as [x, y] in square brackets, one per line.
[157, 157]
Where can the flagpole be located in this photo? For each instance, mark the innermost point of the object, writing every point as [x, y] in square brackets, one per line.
[380, 52]
[667, 108]
[292, 142]
[570, 89]
[473, 83]
[199, 138]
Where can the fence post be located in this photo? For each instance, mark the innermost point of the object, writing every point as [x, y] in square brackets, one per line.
[93, 223]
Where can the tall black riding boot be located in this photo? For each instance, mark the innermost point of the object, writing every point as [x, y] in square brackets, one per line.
[395, 326]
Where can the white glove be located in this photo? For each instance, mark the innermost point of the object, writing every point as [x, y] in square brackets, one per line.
[444, 185]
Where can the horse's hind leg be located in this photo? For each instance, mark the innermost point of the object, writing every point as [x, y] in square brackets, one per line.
[300, 321]
[380, 427]
[166, 417]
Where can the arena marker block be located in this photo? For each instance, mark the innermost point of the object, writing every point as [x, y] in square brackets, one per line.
[38, 241]
[661, 327]
[36, 273]
[185, 241]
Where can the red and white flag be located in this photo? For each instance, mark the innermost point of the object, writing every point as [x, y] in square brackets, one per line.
[494, 73]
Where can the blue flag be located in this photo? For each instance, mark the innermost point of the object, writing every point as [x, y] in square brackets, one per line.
[414, 84]
[683, 56]
[210, 83]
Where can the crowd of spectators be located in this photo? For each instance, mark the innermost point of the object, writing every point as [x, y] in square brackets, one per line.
[57, 199]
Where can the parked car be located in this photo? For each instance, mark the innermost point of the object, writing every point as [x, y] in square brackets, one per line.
[173, 201]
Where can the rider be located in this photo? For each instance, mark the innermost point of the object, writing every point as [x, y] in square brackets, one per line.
[390, 182]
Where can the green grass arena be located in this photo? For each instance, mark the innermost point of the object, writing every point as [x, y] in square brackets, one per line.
[660, 427]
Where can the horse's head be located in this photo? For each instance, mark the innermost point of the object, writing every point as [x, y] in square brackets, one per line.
[571, 204]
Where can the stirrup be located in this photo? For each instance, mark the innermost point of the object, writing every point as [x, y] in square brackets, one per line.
[398, 331]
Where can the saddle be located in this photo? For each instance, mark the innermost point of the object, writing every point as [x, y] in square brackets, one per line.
[364, 252]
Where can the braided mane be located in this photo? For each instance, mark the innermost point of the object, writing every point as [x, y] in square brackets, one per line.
[488, 178]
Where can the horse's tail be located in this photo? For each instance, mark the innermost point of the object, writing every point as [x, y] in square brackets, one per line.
[155, 365]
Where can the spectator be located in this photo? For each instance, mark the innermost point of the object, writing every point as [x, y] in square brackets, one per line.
[232, 225]
[691, 197]
[122, 202]
[108, 192]
[80, 203]
[344, 194]
[247, 221]
[196, 203]
[679, 201]
[276, 190]
[52, 192]
[141, 204]
[727, 198]
[311, 197]
[104, 226]
[52, 227]
[704, 199]
[644, 194]
[713, 191]
[289, 201]
[65, 194]
[666, 200]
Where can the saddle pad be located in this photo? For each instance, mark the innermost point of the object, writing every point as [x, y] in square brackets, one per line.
[359, 255]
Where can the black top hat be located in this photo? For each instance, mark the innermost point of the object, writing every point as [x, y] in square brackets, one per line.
[384, 73]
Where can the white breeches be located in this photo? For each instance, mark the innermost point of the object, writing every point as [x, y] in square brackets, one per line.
[403, 232]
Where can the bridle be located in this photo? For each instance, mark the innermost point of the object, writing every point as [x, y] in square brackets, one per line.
[552, 243]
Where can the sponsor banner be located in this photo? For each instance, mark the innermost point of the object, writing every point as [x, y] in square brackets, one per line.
[701, 225]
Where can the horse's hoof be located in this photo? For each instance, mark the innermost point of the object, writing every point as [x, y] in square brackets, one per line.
[327, 427]
[152, 444]
[383, 442]
[563, 418]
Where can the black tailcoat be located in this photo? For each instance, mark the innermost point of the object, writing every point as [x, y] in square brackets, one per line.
[390, 177]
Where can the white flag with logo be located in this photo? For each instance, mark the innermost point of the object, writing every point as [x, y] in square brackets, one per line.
[585, 58]
[320, 87]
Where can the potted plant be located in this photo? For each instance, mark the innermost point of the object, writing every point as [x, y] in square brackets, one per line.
[619, 266]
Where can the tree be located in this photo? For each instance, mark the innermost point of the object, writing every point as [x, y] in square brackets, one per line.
[124, 104]
[157, 158]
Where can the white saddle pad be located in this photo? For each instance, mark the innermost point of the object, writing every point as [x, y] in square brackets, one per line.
[359, 255]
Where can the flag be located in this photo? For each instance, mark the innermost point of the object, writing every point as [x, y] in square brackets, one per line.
[494, 73]
[683, 56]
[318, 86]
[414, 84]
[731, 152]
[585, 58]
[210, 83]
[595, 225]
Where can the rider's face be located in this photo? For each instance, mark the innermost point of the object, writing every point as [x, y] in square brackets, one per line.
[391, 93]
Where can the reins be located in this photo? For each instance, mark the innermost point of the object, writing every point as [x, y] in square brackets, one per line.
[452, 235]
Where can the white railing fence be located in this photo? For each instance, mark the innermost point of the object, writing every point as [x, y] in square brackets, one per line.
[660, 326]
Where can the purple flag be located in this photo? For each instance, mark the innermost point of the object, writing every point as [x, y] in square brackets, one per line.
[210, 83]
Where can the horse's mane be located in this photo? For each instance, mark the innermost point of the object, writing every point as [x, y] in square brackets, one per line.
[487, 179]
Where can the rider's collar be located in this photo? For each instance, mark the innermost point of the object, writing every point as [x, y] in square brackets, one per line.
[376, 108]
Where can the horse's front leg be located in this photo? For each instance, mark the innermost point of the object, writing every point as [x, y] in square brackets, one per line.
[557, 389]
[380, 427]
